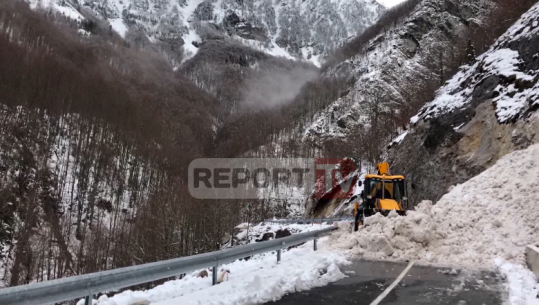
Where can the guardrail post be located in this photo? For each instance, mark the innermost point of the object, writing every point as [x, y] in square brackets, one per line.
[88, 299]
[315, 244]
[214, 275]
[278, 255]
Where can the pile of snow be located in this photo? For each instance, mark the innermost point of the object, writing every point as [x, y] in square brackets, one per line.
[484, 223]
[258, 280]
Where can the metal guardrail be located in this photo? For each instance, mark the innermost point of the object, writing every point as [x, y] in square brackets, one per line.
[309, 221]
[88, 285]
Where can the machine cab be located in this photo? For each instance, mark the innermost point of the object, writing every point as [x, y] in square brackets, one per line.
[385, 193]
[382, 193]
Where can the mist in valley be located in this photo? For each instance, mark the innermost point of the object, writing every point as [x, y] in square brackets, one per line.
[275, 87]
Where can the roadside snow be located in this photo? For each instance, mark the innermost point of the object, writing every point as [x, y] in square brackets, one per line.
[258, 280]
[522, 285]
[484, 223]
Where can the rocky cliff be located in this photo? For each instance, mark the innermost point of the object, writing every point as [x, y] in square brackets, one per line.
[488, 109]
[405, 59]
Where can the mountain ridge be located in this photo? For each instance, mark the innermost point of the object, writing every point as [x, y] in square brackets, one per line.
[307, 30]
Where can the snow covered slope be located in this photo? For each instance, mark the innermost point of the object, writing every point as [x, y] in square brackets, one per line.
[397, 64]
[488, 109]
[507, 75]
[484, 223]
[288, 28]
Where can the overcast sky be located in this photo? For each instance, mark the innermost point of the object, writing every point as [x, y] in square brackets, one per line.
[390, 3]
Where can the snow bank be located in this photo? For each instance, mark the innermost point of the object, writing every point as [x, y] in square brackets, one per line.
[522, 285]
[484, 223]
[258, 280]
[492, 215]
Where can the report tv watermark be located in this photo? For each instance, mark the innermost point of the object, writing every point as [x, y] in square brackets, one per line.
[247, 178]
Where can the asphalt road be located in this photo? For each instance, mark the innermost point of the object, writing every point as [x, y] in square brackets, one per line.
[367, 281]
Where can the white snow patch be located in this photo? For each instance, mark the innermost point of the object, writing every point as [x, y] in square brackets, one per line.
[84, 33]
[189, 48]
[279, 52]
[389, 3]
[119, 26]
[505, 62]
[522, 284]
[458, 91]
[400, 138]
[270, 48]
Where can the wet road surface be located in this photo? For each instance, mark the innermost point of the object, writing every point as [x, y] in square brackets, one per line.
[367, 281]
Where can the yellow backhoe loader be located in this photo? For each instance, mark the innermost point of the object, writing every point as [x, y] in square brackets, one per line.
[382, 193]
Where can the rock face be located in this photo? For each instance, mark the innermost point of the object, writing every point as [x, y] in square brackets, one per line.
[396, 64]
[291, 28]
[486, 111]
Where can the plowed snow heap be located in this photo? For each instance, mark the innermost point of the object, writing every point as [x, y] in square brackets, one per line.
[494, 215]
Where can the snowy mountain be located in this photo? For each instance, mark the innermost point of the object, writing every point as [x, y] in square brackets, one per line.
[289, 28]
[397, 64]
[488, 109]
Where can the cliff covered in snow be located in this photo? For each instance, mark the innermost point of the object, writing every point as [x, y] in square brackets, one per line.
[488, 109]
